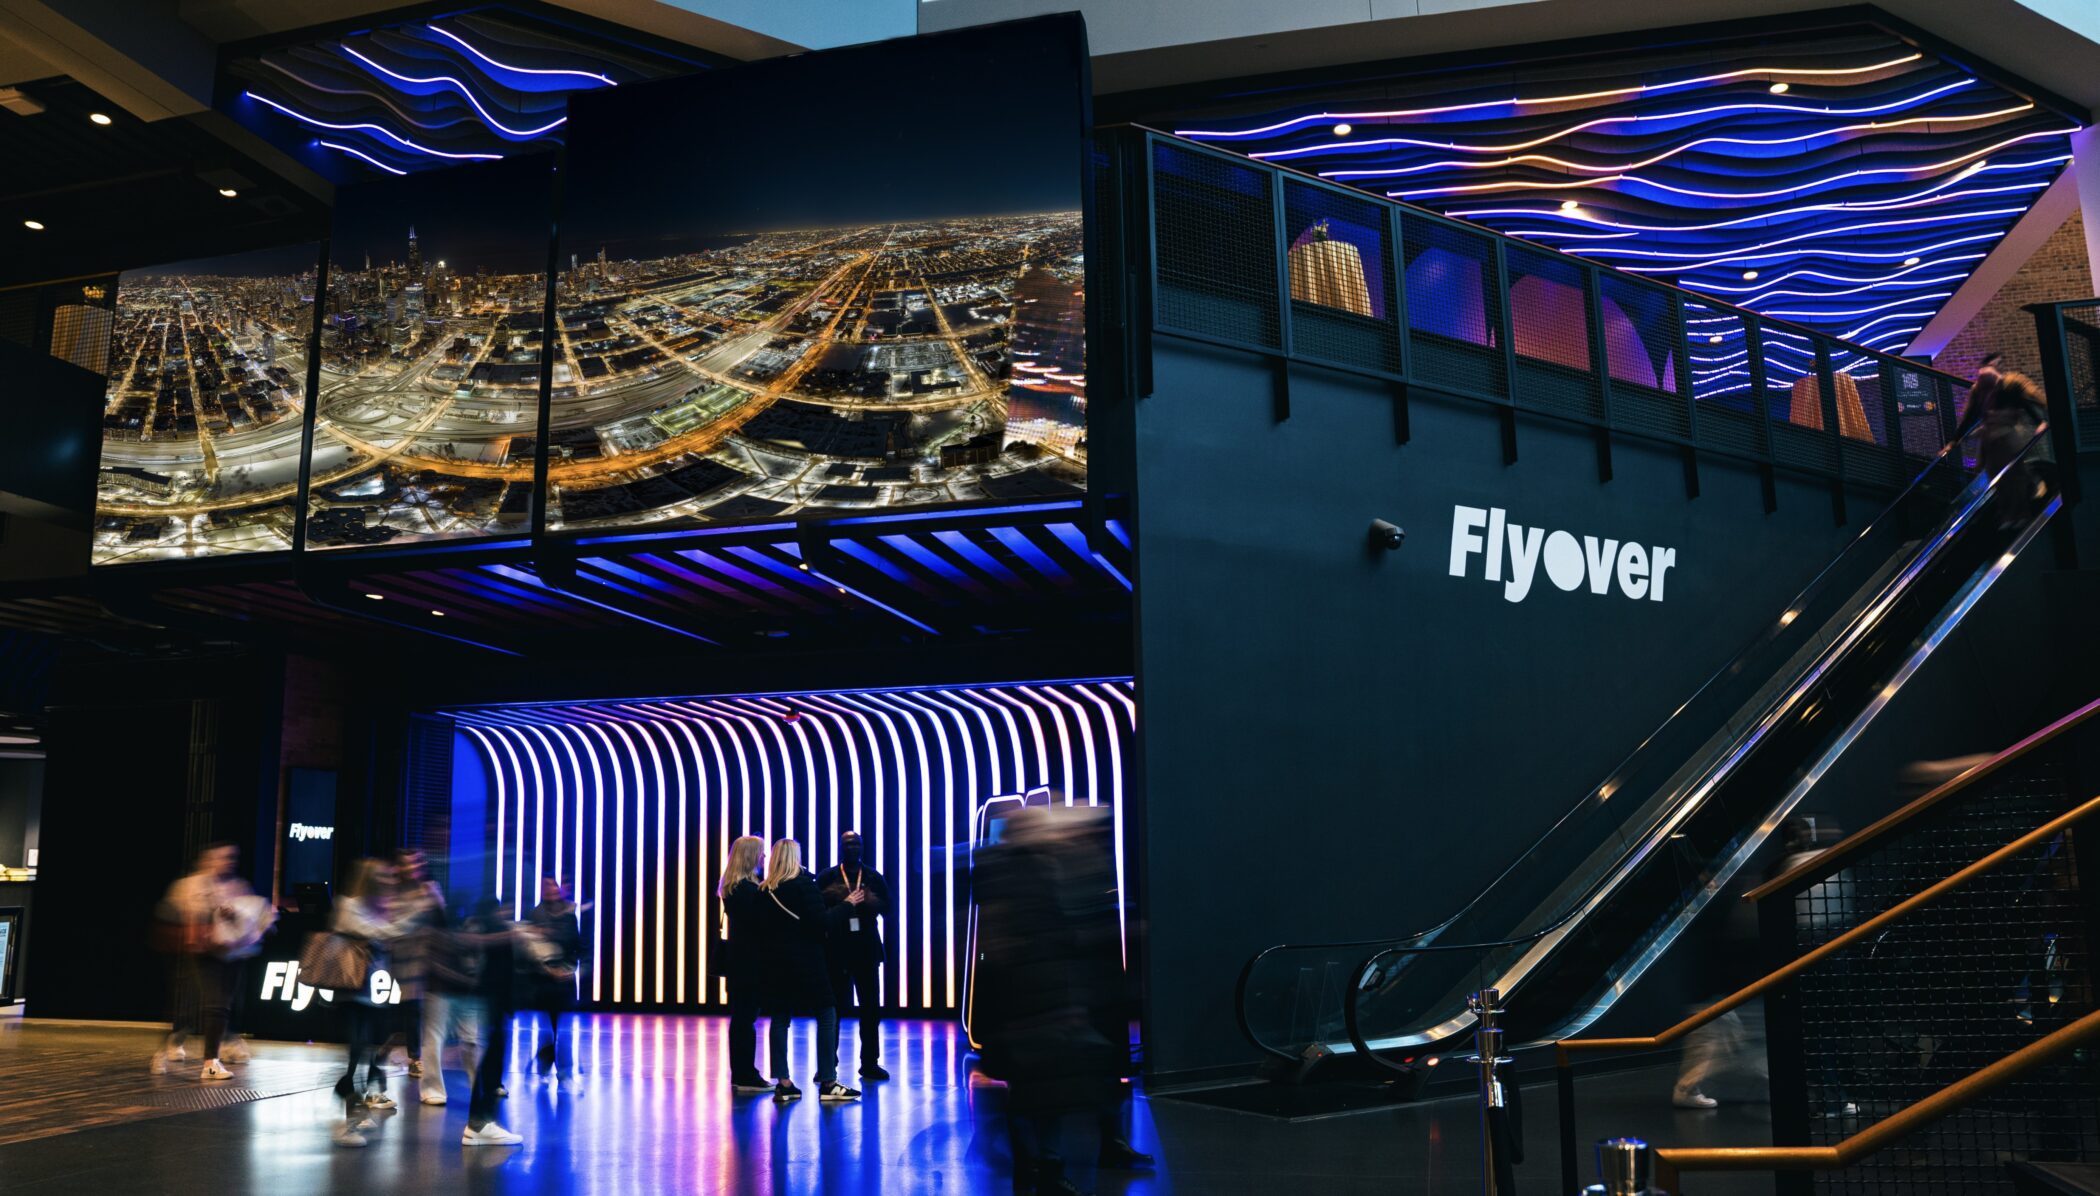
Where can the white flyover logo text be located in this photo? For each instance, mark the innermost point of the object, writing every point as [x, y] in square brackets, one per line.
[1518, 551]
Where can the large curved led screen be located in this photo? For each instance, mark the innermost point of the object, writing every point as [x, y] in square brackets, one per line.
[431, 350]
[845, 280]
[201, 426]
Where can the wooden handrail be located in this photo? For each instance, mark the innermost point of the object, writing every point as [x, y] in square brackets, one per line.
[1671, 1161]
[1841, 852]
[1871, 926]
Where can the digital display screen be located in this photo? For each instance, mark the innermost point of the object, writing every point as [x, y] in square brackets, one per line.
[846, 280]
[431, 348]
[202, 414]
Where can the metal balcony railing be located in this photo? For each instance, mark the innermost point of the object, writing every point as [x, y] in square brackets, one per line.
[1240, 253]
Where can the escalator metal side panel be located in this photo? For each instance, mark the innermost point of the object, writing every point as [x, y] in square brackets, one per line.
[1937, 632]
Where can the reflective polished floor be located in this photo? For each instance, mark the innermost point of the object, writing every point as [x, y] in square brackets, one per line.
[650, 1112]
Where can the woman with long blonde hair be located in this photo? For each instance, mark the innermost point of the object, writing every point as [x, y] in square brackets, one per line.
[796, 979]
[740, 954]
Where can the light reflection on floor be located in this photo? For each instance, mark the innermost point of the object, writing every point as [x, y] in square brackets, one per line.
[646, 1108]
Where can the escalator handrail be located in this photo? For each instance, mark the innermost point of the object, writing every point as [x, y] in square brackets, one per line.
[1645, 842]
[1769, 631]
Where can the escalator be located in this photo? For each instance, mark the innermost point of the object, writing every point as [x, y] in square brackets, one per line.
[1572, 922]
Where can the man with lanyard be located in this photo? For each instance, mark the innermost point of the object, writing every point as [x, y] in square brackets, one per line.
[854, 949]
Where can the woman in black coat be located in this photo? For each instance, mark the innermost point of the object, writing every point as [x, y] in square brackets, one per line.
[794, 978]
[742, 951]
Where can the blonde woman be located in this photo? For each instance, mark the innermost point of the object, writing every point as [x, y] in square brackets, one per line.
[740, 955]
[796, 981]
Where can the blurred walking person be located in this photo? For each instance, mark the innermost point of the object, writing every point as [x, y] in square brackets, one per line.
[496, 988]
[417, 902]
[362, 921]
[857, 896]
[1050, 960]
[795, 979]
[212, 919]
[452, 1005]
[554, 951]
[739, 959]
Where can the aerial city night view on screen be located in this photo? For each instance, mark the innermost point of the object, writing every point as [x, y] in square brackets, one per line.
[761, 331]
[430, 356]
[200, 432]
[741, 330]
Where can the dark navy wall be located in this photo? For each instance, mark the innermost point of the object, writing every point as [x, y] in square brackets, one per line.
[1339, 743]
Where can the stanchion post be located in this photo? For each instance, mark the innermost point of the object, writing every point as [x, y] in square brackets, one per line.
[1496, 1172]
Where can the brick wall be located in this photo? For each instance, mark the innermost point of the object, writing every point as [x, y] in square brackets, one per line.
[2058, 270]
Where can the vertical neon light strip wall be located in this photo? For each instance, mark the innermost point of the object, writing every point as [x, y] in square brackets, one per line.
[907, 768]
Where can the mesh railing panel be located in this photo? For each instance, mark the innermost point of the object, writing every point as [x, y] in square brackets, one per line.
[1215, 247]
[1454, 308]
[2082, 345]
[1866, 433]
[1947, 989]
[1731, 417]
[1794, 402]
[1340, 266]
[1549, 324]
[1919, 400]
[1643, 355]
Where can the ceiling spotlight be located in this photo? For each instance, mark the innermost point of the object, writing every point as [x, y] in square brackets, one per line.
[1344, 129]
[98, 118]
[1715, 339]
[35, 226]
[1912, 261]
[1779, 89]
[1749, 276]
[1569, 205]
[438, 613]
[376, 597]
[802, 565]
[228, 192]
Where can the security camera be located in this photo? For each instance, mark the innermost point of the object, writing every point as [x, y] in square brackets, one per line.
[1389, 536]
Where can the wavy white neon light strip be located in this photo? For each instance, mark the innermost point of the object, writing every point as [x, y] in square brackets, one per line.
[1935, 194]
[1513, 157]
[1580, 184]
[382, 130]
[522, 70]
[1115, 780]
[932, 714]
[357, 153]
[1518, 101]
[487, 117]
[1758, 253]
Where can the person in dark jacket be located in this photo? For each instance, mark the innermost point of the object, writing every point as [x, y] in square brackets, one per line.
[794, 978]
[496, 984]
[554, 956]
[1049, 962]
[741, 953]
[857, 896]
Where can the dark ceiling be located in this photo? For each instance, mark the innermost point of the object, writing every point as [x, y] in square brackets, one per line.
[128, 193]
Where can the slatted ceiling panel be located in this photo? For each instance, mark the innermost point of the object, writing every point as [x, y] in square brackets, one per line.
[983, 553]
[753, 583]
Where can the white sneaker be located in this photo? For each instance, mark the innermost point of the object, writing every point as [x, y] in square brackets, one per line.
[489, 1135]
[433, 1098]
[159, 1066]
[213, 1070]
[235, 1050]
[178, 1054]
[347, 1135]
[378, 1100]
[1692, 1098]
[365, 1123]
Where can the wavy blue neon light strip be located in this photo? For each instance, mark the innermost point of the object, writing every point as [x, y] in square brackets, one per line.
[382, 130]
[487, 117]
